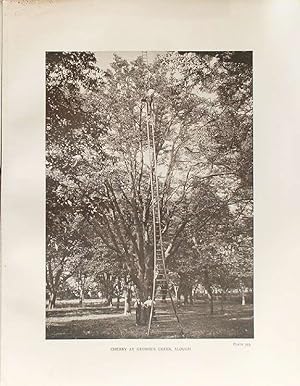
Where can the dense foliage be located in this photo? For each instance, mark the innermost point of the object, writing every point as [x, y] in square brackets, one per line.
[98, 189]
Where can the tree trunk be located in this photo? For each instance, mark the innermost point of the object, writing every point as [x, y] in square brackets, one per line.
[209, 290]
[52, 300]
[185, 297]
[243, 295]
[176, 292]
[127, 300]
[144, 289]
[81, 297]
[191, 295]
[178, 296]
[109, 300]
[222, 300]
[195, 291]
[211, 301]
[118, 302]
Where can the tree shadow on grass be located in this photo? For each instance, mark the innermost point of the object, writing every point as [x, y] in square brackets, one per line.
[82, 311]
[234, 323]
[114, 327]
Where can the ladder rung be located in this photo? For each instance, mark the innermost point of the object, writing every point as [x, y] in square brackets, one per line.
[167, 321]
[165, 314]
[165, 326]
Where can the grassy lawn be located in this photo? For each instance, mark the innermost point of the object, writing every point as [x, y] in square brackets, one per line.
[95, 321]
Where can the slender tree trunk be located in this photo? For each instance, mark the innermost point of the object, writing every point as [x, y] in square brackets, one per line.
[194, 291]
[109, 300]
[179, 296]
[209, 290]
[185, 297]
[211, 301]
[52, 300]
[243, 295]
[119, 287]
[127, 300]
[176, 292]
[81, 296]
[222, 300]
[191, 295]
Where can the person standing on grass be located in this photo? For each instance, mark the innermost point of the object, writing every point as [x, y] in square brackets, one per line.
[148, 304]
[138, 311]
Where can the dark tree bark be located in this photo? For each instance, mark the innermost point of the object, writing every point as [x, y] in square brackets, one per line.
[209, 289]
[52, 299]
[81, 295]
[191, 295]
[127, 300]
[211, 301]
[178, 295]
[222, 300]
[109, 300]
[185, 297]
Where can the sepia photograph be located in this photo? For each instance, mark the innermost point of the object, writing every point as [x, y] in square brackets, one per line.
[149, 195]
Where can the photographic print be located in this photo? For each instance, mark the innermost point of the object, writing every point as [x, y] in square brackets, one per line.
[149, 195]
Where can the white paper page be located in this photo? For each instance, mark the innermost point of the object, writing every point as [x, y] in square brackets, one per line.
[268, 28]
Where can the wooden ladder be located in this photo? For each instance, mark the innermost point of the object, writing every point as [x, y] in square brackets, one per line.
[164, 322]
